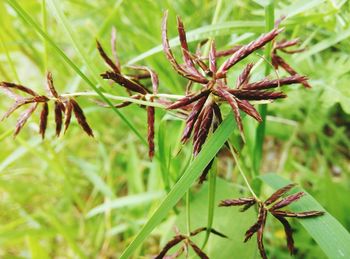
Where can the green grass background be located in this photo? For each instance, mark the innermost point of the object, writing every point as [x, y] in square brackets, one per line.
[77, 197]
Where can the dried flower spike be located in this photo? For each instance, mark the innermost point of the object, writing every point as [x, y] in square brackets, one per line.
[205, 114]
[272, 205]
[132, 83]
[178, 238]
[62, 105]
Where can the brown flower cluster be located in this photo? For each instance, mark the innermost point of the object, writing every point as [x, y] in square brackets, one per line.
[272, 205]
[63, 107]
[204, 104]
[134, 86]
[178, 238]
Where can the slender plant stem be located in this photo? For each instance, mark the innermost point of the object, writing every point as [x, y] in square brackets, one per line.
[240, 170]
[8, 56]
[44, 24]
[211, 202]
[260, 131]
[188, 213]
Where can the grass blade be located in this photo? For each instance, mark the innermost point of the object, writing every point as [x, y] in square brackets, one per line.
[210, 148]
[329, 234]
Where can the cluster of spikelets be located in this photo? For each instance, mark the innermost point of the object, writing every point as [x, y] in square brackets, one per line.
[202, 109]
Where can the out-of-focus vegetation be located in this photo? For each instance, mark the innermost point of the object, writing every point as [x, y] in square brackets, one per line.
[78, 197]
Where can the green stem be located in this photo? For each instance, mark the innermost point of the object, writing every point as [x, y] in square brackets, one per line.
[188, 213]
[260, 131]
[211, 205]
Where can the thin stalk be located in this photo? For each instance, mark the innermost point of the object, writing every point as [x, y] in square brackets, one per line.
[211, 202]
[240, 170]
[260, 131]
[188, 213]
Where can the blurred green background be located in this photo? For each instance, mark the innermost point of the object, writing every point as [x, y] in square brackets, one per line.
[78, 197]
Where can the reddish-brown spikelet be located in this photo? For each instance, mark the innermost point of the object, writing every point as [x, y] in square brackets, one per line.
[105, 57]
[177, 239]
[232, 101]
[261, 219]
[288, 200]
[288, 231]
[187, 100]
[43, 119]
[79, 115]
[306, 214]
[58, 117]
[260, 235]
[24, 117]
[279, 193]
[19, 88]
[123, 81]
[197, 250]
[150, 122]
[191, 119]
[68, 115]
[50, 86]
[244, 77]
[246, 50]
[245, 94]
[237, 202]
[268, 83]
[203, 130]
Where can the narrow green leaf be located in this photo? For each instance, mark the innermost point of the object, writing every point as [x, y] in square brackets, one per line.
[329, 234]
[128, 201]
[210, 148]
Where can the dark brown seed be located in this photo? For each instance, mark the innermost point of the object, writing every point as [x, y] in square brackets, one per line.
[177, 239]
[105, 57]
[43, 119]
[289, 233]
[288, 200]
[79, 115]
[279, 193]
[246, 50]
[58, 117]
[237, 202]
[228, 52]
[24, 117]
[123, 81]
[50, 86]
[150, 123]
